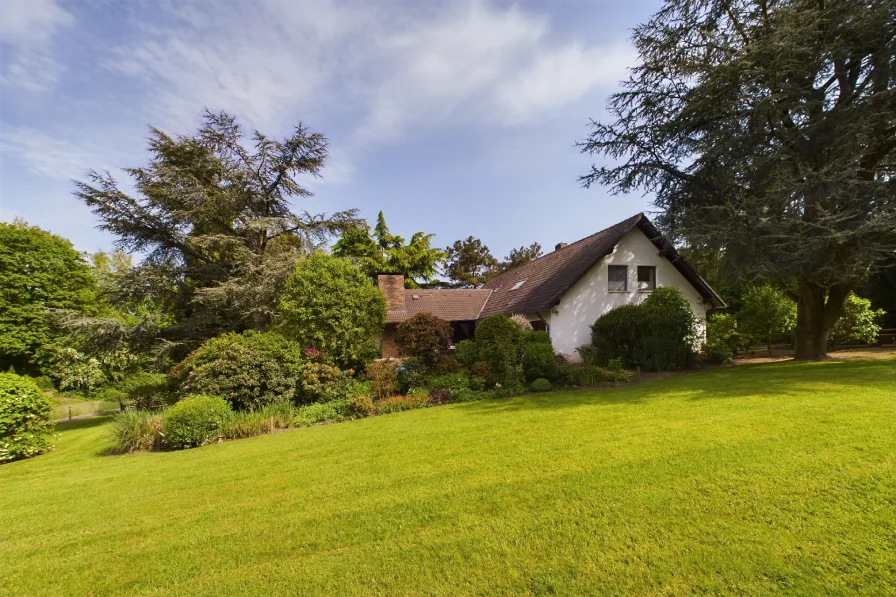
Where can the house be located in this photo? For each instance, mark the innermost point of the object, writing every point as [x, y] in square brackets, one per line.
[563, 292]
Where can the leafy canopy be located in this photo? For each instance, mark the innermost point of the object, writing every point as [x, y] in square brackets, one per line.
[766, 313]
[768, 130]
[38, 271]
[330, 305]
[380, 252]
[469, 263]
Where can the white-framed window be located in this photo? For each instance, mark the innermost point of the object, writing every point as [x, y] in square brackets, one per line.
[617, 278]
[646, 278]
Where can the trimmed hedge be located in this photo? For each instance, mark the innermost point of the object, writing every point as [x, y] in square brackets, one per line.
[540, 385]
[659, 334]
[25, 426]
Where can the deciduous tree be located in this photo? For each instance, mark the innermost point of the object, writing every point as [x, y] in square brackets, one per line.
[469, 263]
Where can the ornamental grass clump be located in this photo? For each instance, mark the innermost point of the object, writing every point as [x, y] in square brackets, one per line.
[137, 431]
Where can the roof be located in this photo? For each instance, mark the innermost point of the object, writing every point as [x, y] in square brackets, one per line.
[541, 283]
[461, 304]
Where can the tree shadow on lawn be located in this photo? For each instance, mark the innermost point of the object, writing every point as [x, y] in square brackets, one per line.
[83, 423]
[771, 380]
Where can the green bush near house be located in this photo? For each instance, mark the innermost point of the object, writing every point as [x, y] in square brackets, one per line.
[466, 352]
[195, 421]
[659, 334]
[25, 426]
[249, 370]
[499, 339]
[424, 337]
[330, 305]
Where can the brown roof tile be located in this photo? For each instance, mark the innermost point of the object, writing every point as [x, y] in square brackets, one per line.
[462, 304]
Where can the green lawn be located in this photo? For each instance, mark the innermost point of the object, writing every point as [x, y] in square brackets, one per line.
[65, 405]
[768, 479]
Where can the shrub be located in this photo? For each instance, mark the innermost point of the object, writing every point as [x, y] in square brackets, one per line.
[722, 331]
[422, 393]
[766, 313]
[148, 391]
[617, 333]
[74, 370]
[857, 324]
[330, 305]
[522, 322]
[323, 412]
[440, 397]
[588, 353]
[137, 431]
[477, 383]
[718, 353]
[25, 426]
[411, 374]
[669, 331]
[425, 337]
[320, 382]
[499, 339]
[539, 361]
[249, 370]
[658, 334]
[540, 385]
[361, 405]
[511, 386]
[449, 381]
[195, 421]
[466, 352]
[274, 416]
[588, 375]
[396, 404]
[481, 369]
[44, 383]
[383, 376]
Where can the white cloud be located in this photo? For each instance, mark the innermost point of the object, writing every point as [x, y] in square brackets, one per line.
[560, 77]
[27, 23]
[27, 28]
[52, 154]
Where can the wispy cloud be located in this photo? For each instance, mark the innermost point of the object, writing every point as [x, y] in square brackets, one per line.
[27, 28]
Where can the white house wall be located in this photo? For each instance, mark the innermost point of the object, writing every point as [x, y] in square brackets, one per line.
[590, 297]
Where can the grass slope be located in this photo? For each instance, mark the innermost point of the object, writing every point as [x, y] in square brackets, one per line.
[771, 479]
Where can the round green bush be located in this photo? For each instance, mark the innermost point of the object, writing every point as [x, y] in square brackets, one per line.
[195, 421]
[499, 338]
[539, 360]
[466, 352]
[330, 305]
[25, 426]
[249, 370]
[617, 334]
[540, 385]
[425, 337]
[537, 337]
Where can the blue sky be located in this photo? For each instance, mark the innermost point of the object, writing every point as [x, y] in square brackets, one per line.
[456, 118]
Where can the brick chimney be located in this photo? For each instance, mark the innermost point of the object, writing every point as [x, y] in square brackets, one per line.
[559, 246]
[392, 286]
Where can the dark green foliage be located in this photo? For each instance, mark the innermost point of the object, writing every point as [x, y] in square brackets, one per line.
[469, 263]
[25, 426]
[766, 129]
[466, 352]
[212, 213]
[148, 391]
[617, 333]
[451, 382]
[539, 359]
[669, 331]
[766, 314]
[38, 271]
[718, 353]
[411, 374]
[499, 340]
[520, 256]
[424, 337]
[512, 385]
[248, 370]
[195, 421]
[329, 305]
[540, 385]
[659, 334]
[382, 252]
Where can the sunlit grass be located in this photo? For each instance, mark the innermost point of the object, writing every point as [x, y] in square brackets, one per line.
[768, 479]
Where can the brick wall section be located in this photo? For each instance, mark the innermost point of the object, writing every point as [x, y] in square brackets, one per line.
[387, 343]
[392, 286]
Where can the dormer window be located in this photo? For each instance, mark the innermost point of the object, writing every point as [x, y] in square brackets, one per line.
[518, 284]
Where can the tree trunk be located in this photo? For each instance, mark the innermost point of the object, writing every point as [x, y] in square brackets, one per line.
[818, 309]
